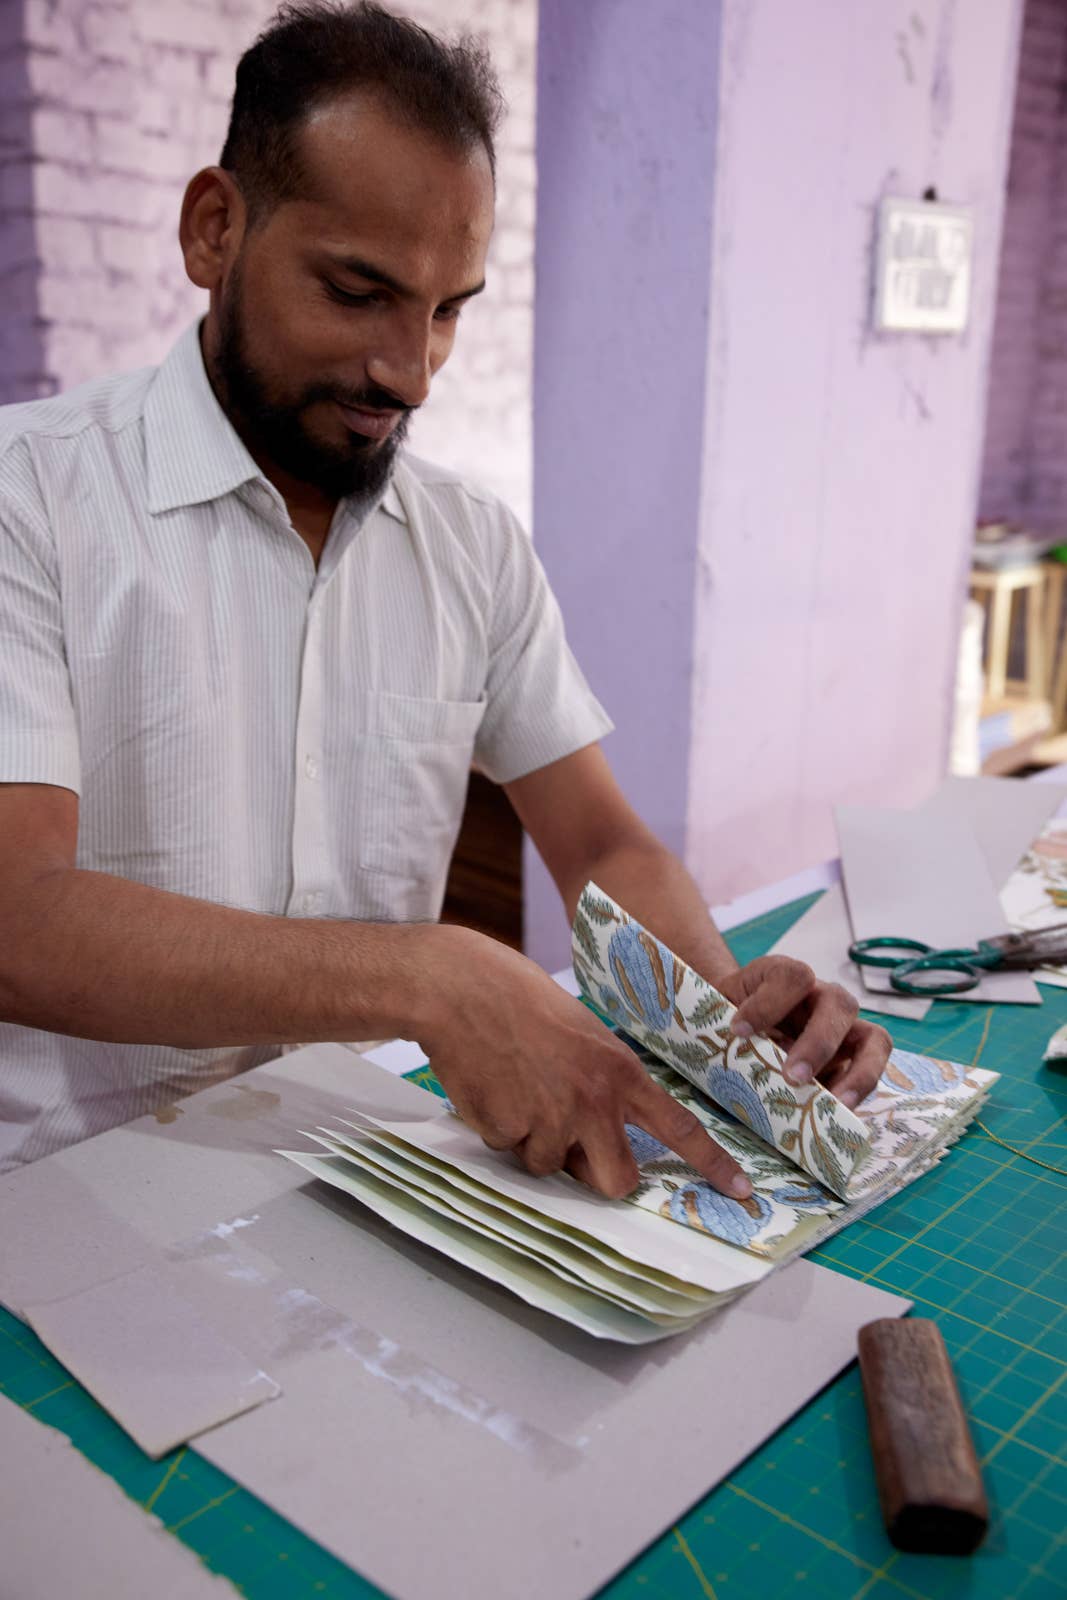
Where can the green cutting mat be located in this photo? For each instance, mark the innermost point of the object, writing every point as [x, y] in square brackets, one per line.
[979, 1245]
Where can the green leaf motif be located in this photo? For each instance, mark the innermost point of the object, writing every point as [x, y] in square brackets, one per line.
[688, 1053]
[828, 1166]
[789, 1138]
[601, 911]
[848, 1140]
[655, 1042]
[760, 1075]
[780, 1100]
[709, 1008]
[582, 973]
[583, 933]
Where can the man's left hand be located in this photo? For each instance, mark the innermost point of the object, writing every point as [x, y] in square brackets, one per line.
[816, 1023]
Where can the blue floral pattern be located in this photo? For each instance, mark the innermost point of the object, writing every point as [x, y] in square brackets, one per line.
[908, 1073]
[677, 1014]
[698, 1205]
[811, 1161]
[645, 1147]
[736, 1095]
[643, 970]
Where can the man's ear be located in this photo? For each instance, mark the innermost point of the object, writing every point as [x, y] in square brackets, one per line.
[212, 226]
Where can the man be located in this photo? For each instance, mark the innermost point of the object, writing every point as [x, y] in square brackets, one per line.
[250, 649]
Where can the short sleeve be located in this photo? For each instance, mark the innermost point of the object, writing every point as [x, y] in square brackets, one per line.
[539, 708]
[38, 729]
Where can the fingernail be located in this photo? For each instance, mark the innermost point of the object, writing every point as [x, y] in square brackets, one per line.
[849, 1097]
[799, 1072]
[740, 1187]
[741, 1030]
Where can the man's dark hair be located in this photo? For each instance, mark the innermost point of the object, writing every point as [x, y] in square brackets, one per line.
[313, 53]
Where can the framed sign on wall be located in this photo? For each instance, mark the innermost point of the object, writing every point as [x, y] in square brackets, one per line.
[923, 267]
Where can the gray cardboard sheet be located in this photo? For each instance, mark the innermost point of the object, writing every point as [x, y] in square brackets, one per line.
[821, 938]
[154, 1363]
[69, 1530]
[922, 875]
[433, 1432]
[1005, 816]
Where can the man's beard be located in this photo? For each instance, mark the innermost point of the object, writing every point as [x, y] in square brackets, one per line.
[275, 428]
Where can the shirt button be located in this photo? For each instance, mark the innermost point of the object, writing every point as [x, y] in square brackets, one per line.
[309, 902]
[311, 766]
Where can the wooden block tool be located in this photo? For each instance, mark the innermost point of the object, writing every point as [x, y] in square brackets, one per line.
[929, 1481]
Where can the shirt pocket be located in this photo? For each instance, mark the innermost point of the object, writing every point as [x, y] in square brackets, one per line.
[415, 759]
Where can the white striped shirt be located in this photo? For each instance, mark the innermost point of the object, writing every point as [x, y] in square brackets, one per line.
[240, 726]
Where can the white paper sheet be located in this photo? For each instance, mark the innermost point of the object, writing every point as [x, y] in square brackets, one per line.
[641, 1290]
[472, 1247]
[695, 1258]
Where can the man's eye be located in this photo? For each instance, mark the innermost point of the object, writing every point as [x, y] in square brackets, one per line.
[447, 313]
[348, 299]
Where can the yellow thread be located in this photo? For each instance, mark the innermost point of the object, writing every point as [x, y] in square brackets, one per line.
[928, 1227]
[683, 1545]
[985, 1035]
[1047, 1165]
[164, 1480]
[1061, 1171]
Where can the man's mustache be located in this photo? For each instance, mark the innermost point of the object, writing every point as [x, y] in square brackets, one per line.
[369, 399]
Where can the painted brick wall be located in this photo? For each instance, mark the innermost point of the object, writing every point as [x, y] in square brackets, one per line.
[1025, 467]
[107, 107]
[21, 356]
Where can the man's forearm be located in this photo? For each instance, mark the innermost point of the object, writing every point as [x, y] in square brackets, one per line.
[103, 958]
[653, 886]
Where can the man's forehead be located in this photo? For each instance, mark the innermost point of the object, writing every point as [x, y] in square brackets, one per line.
[359, 146]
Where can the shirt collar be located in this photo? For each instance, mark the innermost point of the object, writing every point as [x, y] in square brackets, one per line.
[193, 452]
[391, 501]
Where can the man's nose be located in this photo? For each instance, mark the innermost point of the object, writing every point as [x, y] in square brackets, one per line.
[402, 364]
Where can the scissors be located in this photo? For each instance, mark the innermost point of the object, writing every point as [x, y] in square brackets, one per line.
[956, 971]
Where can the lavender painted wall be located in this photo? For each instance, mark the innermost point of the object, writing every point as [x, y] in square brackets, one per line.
[757, 512]
[626, 158]
[20, 335]
[841, 465]
[1024, 475]
[106, 111]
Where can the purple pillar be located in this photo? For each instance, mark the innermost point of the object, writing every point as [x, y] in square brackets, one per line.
[21, 346]
[756, 511]
[626, 160]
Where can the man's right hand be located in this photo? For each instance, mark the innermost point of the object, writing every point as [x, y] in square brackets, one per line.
[532, 1070]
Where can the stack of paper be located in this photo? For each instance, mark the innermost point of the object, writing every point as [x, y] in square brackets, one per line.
[676, 1249]
[599, 1264]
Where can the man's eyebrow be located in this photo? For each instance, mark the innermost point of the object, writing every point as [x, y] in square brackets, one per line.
[366, 269]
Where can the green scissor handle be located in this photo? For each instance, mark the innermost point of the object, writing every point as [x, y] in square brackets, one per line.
[862, 952]
[966, 966]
